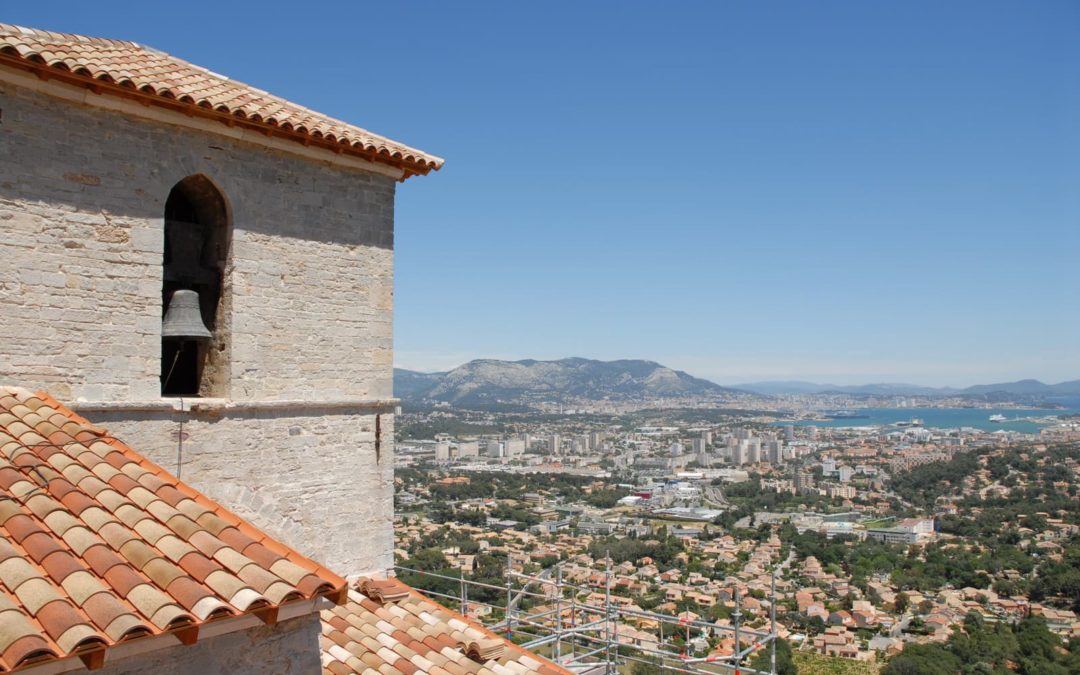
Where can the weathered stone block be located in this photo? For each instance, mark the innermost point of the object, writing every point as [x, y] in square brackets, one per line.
[306, 311]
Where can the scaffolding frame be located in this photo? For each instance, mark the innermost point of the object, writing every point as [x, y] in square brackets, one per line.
[590, 630]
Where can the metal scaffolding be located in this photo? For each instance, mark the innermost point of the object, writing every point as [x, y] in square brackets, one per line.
[543, 613]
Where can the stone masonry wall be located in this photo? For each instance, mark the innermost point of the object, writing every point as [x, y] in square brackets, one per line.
[310, 284]
[82, 200]
[312, 480]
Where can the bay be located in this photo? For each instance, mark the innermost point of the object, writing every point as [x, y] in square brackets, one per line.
[943, 418]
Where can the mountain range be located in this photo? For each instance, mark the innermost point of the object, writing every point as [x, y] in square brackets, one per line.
[490, 381]
[486, 381]
[1024, 388]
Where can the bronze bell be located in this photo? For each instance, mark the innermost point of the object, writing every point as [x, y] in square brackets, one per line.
[183, 320]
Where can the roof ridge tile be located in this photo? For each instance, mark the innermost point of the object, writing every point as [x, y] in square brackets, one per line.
[91, 61]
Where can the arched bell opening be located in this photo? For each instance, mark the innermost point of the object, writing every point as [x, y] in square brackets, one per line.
[194, 345]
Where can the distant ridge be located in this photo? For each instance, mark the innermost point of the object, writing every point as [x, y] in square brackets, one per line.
[1023, 388]
[487, 381]
[490, 381]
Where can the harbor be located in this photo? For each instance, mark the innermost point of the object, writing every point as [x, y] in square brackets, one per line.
[986, 419]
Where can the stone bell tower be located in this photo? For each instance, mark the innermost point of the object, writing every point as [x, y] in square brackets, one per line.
[283, 228]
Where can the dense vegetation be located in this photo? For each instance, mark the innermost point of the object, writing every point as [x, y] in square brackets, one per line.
[1058, 582]
[1037, 481]
[663, 549]
[748, 497]
[785, 663]
[812, 663]
[922, 485]
[428, 557]
[1027, 648]
[571, 488]
[938, 565]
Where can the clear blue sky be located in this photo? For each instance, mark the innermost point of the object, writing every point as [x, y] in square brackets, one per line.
[835, 191]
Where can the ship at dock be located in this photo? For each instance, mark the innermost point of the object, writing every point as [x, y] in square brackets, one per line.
[845, 415]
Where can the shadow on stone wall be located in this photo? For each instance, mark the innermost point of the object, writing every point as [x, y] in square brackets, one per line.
[95, 161]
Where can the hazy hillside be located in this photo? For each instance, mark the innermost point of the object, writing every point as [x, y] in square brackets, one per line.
[1027, 387]
[1023, 388]
[489, 380]
[410, 384]
[883, 389]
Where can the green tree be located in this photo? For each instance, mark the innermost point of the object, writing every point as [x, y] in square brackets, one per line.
[923, 659]
[1028, 648]
[785, 660]
[902, 602]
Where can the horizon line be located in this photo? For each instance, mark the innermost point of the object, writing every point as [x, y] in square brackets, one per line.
[750, 380]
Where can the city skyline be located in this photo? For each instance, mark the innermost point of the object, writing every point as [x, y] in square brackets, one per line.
[843, 194]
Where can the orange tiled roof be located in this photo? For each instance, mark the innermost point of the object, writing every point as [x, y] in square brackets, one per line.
[129, 69]
[415, 634]
[99, 546]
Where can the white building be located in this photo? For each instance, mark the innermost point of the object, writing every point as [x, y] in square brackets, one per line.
[514, 447]
[738, 453]
[753, 452]
[555, 444]
[776, 452]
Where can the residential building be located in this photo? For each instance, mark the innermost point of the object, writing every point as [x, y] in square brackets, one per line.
[514, 447]
[837, 641]
[804, 480]
[840, 491]
[776, 452]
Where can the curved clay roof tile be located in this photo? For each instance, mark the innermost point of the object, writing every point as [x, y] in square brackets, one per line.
[84, 594]
[25, 650]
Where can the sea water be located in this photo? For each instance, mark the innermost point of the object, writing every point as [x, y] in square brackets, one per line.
[944, 418]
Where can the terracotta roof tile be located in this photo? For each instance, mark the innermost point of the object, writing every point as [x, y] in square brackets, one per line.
[414, 635]
[129, 69]
[85, 561]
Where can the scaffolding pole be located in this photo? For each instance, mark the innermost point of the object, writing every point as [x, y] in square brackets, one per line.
[509, 596]
[573, 624]
[599, 636]
[607, 612]
[738, 645]
[558, 612]
[772, 623]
